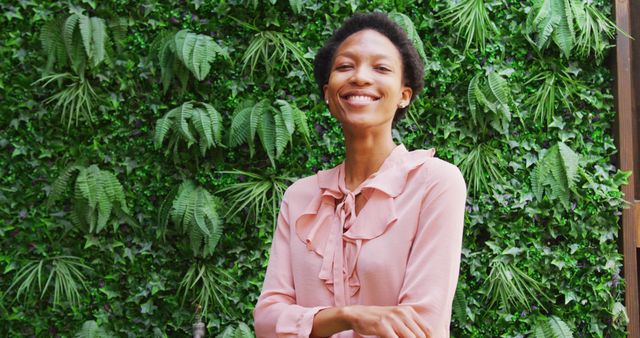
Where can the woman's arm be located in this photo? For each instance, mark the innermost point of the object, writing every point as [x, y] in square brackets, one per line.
[276, 314]
[434, 260]
[381, 321]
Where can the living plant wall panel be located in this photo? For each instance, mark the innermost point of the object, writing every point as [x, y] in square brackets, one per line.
[144, 148]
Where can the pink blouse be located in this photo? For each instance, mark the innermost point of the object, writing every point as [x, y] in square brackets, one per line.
[402, 248]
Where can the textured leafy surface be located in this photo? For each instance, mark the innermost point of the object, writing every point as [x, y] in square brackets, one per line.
[144, 279]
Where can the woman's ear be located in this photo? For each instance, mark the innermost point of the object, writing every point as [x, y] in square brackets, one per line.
[406, 96]
[324, 90]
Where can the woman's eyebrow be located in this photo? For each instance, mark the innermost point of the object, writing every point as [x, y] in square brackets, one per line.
[352, 55]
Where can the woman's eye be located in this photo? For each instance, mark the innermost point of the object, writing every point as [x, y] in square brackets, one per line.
[342, 67]
[383, 68]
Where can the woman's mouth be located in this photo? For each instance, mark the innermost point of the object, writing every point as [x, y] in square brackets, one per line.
[359, 100]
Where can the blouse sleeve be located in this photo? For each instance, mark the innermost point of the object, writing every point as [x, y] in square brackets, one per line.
[434, 261]
[276, 313]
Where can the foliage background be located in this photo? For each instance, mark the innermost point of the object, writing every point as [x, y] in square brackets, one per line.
[132, 286]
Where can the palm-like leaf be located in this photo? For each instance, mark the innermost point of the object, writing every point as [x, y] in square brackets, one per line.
[481, 169]
[75, 102]
[472, 20]
[258, 193]
[186, 120]
[594, 30]
[63, 273]
[554, 90]
[207, 286]
[556, 174]
[570, 24]
[511, 288]
[273, 50]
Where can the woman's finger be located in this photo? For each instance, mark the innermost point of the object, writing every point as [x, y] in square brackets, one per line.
[420, 322]
[411, 324]
[401, 329]
[387, 331]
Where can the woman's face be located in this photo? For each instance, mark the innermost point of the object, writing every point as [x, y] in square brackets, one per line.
[366, 84]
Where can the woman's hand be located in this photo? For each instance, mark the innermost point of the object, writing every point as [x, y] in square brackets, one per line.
[382, 321]
[386, 321]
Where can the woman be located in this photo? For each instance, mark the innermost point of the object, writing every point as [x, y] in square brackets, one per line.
[372, 246]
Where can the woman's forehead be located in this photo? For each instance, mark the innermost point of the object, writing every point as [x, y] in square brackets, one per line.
[369, 42]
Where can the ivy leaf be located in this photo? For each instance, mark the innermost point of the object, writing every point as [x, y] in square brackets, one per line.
[148, 307]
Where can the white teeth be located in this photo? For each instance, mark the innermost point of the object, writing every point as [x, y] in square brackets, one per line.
[360, 98]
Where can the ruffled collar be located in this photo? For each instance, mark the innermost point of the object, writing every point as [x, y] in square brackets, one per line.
[329, 226]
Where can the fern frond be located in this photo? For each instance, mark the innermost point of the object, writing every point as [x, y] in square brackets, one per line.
[61, 183]
[197, 52]
[87, 185]
[163, 125]
[90, 329]
[53, 44]
[552, 327]
[194, 212]
[199, 116]
[239, 124]
[286, 111]
[563, 34]
[216, 123]
[86, 31]
[544, 21]
[282, 134]
[98, 40]
[407, 25]
[559, 328]
[267, 134]
[97, 195]
[165, 212]
[241, 331]
[68, 33]
[556, 174]
[300, 120]
[202, 125]
[493, 94]
[459, 306]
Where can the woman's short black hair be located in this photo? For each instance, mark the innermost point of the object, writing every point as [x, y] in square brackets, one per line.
[412, 65]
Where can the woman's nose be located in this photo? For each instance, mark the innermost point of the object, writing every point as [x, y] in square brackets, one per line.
[361, 76]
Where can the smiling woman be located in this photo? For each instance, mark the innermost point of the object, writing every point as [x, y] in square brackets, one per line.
[372, 246]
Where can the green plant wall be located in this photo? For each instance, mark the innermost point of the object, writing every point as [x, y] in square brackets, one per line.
[144, 147]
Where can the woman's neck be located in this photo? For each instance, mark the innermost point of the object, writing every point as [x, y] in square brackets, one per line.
[364, 156]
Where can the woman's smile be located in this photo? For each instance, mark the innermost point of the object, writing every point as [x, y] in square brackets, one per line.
[358, 98]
